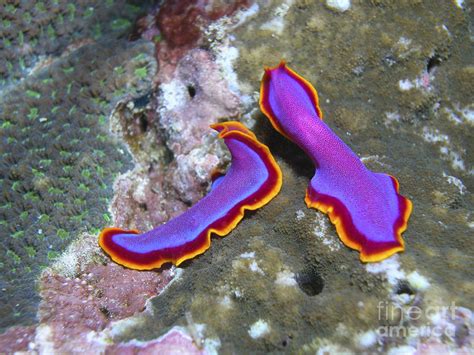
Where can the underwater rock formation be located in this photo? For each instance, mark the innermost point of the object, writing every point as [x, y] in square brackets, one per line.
[162, 187]
[102, 294]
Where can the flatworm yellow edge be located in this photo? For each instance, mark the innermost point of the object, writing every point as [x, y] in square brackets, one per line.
[223, 226]
[265, 106]
[345, 230]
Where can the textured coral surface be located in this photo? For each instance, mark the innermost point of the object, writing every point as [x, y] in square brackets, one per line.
[32, 29]
[58, 159]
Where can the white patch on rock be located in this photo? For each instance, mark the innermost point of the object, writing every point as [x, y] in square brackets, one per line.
[211, 346]
[405, 85]
[243, 15]
[248, 255]
[417, 281]
[391, 117]
[390, 267]
[367, 340]
[455, 158]
[78, 254]
[300, 215]
[44, 339]
[468, 114]
[459, 3]
[321, 231]
[238, 293]
[286, 278]
[225, 54]
[328, 348]
[461, 115]
[277, 24]
[402, 350]
[432, 135]
[225, 58]
[452, 180]
[339, 5]
[226, 302]
[255, 268]
[453, 116]
[259, 329]
[174, 95]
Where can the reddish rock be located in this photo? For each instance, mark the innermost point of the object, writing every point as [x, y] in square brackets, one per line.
[72, 308]
[180, 22]
[205, 99]
[195, 96]
[16, 339]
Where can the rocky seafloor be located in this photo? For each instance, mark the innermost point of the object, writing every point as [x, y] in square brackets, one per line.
[104, 115]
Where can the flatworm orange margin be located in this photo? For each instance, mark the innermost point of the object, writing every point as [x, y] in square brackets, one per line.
[368, 212]
[253, 179]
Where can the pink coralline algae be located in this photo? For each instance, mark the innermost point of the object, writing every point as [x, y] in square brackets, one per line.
[180, 21]
[176, 26]
[195, 97]
[71, 308]
[16, 339]
[206, 99]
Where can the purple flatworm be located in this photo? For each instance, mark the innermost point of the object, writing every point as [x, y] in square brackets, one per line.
[252, 180]
[368, 212]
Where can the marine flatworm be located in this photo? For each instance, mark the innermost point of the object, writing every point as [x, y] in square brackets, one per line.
[252, 180]
[368, 212]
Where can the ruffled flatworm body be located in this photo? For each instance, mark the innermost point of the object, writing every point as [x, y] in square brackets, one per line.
[252, 180]
[368, 212]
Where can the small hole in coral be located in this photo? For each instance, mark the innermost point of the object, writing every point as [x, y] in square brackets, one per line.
[143, 206]
[105, 312]
[433, 62]
[191, 91]
[143, 123]
[404, 287]
[142, 101]
[309, 281]
[286, 341]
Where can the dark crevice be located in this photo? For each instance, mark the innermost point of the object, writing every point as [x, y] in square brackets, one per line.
[143, 123]
[433, 62]
[105, 312]
[310, 281]
[191, 91]
[404, 287]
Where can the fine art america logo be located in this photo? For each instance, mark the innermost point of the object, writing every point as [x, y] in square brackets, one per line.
[414, 321]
